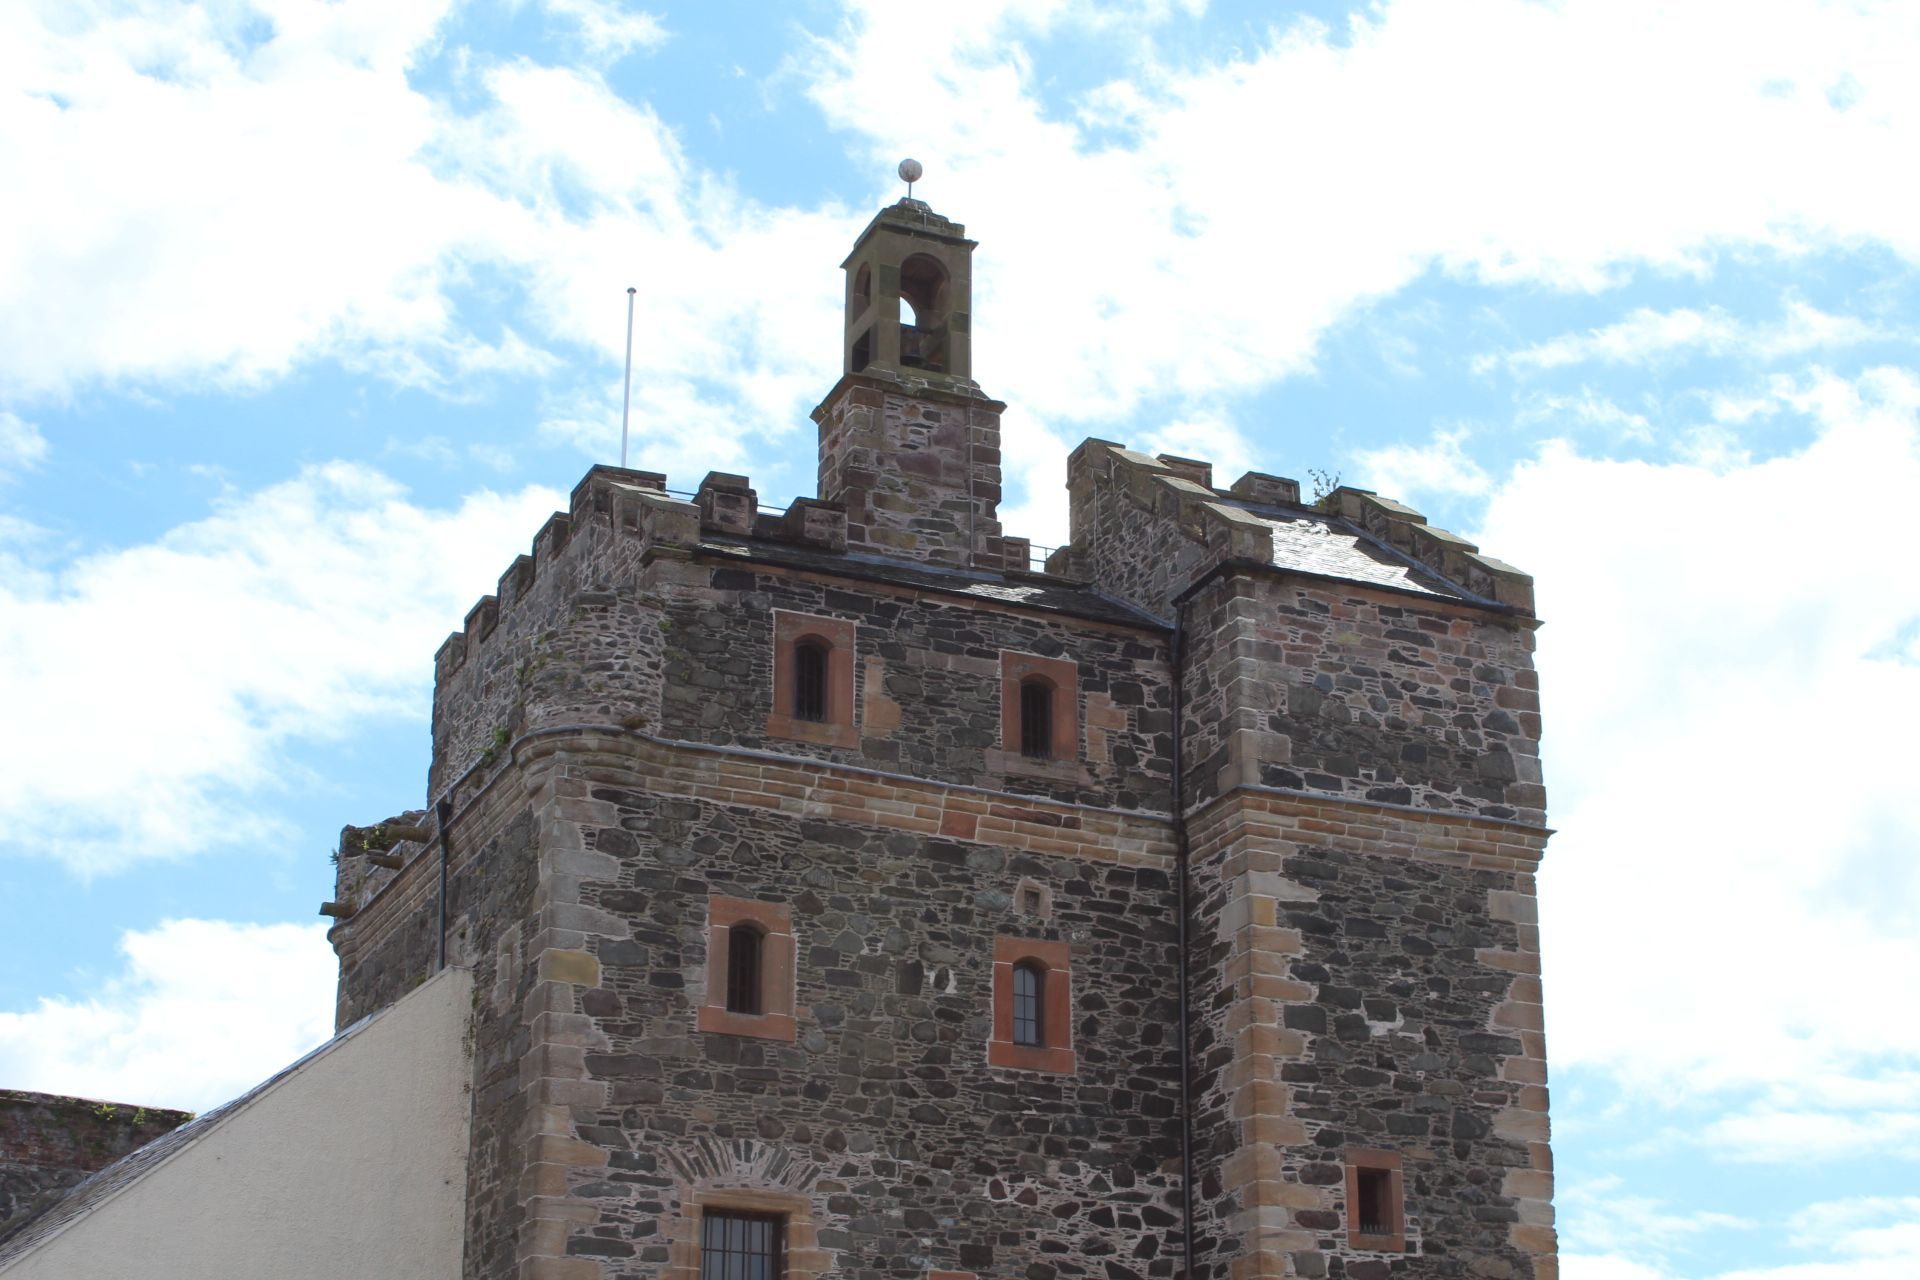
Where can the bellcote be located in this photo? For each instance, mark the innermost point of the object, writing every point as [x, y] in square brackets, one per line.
[910, 298]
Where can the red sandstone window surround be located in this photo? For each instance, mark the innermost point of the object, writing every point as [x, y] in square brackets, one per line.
[1032, 1006]
[1039, 707]
[812, 679]
[705, 1209]
[1376, 1201]
[759, 1000]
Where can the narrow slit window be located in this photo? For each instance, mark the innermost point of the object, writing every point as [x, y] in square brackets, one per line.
[741, 1246]
[1036, 719]
[810, 681]
[1374, 1193]
[1028, 1024]
[744, 951]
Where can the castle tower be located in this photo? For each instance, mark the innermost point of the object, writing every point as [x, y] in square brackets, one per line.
[908, 443]
[843, 896]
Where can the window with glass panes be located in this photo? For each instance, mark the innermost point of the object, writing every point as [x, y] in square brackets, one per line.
[741, 1246]
[1028, 1021]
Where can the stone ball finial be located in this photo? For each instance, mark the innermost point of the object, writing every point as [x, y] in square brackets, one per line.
[910, 171]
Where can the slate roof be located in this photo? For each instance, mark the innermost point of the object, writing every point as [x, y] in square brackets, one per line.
[1335, 549]
[1028, 590]
[122, 1173]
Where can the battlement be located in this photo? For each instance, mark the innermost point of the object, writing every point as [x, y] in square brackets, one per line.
[619, 503]
[1260, 519]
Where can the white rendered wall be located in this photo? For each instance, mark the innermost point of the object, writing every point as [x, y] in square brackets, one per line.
[352, 1165]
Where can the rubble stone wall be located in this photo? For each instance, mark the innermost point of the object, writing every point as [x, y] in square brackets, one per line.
[569, 637]
[882, 1116]
[1367, 977]
[1306, 685]
[927, 698]
[918, 471]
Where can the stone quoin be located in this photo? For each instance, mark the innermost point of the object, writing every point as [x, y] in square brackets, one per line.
[1164, 912]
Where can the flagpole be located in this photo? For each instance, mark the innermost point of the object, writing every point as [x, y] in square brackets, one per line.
[626, 399]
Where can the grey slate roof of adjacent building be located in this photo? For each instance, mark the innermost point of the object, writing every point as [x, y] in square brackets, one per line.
[1327, 547]
[122, 1173]
[1335, 549]
[1031, 590]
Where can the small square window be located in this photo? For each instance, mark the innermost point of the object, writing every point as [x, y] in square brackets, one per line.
[1376, 1209]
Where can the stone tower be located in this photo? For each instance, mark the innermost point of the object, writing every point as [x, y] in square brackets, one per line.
[845, 895]
[909, 447]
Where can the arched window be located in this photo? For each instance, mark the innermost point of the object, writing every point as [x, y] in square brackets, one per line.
[1036, 718]
[810, 680]
[1029, 1023]
[744, 948]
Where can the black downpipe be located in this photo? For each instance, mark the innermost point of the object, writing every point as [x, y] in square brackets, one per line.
[1180, 855]
[443, 812]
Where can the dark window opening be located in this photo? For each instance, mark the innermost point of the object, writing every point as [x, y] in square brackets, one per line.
[1375, 1207]
[862, 289]
[1028, 1025]
[862, 351]
[1036, 719]
[1031, 902]
[741, 1246]
[810, 681]
[744, 948]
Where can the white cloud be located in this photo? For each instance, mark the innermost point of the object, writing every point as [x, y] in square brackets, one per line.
[1588, 1266]
[201, 1011]
[1765, 1133]
[1603, 1217]
[608, 28]
[1726, 756]
[1203, 223]
[329, 208]
[1648, 336]
[1611, 1236]
[325, 208]
[21, 444]
[1440, 467]
[1870, 1226]
[182, 670]
[1586, 408]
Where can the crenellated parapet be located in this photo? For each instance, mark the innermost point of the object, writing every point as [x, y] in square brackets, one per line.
[1146, 528]
[1447, 554]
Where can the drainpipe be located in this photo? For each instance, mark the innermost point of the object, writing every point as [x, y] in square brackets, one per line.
[443, 811]
[1180, 854]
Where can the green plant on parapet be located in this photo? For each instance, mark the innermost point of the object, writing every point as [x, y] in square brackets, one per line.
[140, 1116]
[106, 1111]
[496, 745]
[1324, 485]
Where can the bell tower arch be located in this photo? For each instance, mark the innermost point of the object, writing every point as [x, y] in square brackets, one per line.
[910, 297]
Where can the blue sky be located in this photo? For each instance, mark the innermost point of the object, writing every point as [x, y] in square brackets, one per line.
[310, 312]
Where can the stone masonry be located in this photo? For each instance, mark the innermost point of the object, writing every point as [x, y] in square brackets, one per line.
[1278, 863]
